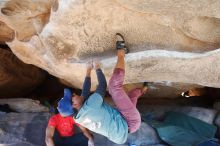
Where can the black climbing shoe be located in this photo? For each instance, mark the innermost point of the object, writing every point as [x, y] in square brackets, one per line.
[120, 43]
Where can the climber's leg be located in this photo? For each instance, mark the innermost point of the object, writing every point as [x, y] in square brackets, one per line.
[119, 96]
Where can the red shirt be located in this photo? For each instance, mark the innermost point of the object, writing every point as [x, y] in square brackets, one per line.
[64, 125]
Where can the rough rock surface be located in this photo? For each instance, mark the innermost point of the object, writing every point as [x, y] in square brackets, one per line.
[158, 112]
[145, 136]
[174, 41]
[16, 77]
[23, 129]
[24, 105]
[6, 34]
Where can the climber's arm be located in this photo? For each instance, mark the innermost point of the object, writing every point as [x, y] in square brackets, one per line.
[88, 135]
[87, 84]
[49, 136]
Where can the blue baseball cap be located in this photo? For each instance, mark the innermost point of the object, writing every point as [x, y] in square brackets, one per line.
[65, 104]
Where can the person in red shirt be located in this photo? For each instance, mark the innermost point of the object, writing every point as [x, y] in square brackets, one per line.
[60, 129]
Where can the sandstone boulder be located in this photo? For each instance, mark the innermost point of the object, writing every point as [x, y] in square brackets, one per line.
[7, 34]
[170, 41]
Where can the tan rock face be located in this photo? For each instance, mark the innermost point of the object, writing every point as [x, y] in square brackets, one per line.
[24, 14]
[16, 77]
[7, 34]
[173, 41]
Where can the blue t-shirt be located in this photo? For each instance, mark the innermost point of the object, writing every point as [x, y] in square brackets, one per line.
[103, 119]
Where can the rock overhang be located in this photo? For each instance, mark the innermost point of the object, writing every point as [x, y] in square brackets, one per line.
[172, 41]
